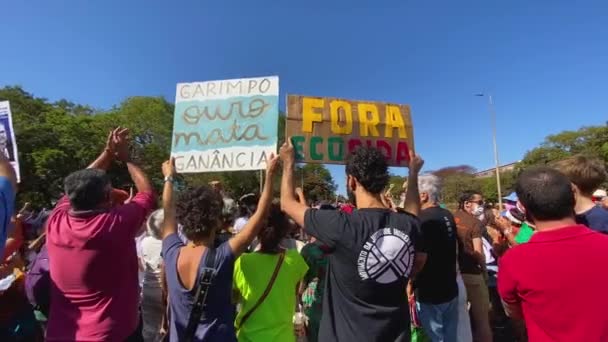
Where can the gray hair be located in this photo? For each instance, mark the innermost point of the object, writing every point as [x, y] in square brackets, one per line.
[154, 223]
[431, 185]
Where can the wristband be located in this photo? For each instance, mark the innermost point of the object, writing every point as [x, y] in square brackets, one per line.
[169, 179]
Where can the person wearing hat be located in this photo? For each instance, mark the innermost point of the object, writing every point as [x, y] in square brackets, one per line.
[510, 201]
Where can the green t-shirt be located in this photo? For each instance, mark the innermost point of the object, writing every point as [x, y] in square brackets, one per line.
[273, 319]
[524, 234]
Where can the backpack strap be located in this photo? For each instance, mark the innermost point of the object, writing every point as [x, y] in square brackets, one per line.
[198, 307]
[266, 292]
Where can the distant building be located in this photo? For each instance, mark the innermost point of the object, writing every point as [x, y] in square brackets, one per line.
[492, 172]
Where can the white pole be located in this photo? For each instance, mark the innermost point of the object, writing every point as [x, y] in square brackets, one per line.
[261, 181]
[497, 164]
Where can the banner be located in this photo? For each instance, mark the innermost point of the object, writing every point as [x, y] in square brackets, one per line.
[325, 130]
[8, 144]
[228, 125]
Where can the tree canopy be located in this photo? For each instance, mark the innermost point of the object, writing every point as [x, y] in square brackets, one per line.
[57, 138]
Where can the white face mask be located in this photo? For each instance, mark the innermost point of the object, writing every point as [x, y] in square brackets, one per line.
[478, 211]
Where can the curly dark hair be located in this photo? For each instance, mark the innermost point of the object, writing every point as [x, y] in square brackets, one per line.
[199, 210]
[369, 167]
[275, 230]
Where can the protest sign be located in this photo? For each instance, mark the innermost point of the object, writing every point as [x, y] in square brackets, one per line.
[325, 130]
[8, 144]
[226, 125]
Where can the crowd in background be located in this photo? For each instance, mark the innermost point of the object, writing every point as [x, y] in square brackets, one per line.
[107, 265]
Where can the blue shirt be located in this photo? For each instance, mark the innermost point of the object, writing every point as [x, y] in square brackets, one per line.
[595, 218]
[218, 323]
[7, 208]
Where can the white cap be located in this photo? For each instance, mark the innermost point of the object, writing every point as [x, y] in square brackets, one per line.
[600, 193]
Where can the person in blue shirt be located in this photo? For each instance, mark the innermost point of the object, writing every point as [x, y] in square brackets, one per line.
[586, 175]
[8, 186]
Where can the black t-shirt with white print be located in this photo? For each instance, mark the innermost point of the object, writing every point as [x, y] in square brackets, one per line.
[373, 256]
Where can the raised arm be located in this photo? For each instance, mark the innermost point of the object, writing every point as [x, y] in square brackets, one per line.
[300, 196]
[121, 146]
[412, 196]
[169, 222]
[289, 203]
[105, 159]
[239, 243]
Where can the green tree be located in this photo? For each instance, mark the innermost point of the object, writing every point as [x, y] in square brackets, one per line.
[591, 141]
[318, 182]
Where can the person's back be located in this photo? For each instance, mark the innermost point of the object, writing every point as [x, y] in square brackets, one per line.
[563, 294]
[219, 314]
[372, 256]
[272, 320]
[595, 218]
[435, 286]
[436, 283]
[200, 211]
[92, 254]
[100, 286]
[553, 281]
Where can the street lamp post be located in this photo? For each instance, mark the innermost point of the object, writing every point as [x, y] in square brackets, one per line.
[497, 165]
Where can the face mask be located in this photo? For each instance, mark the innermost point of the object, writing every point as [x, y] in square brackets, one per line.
[478, 211]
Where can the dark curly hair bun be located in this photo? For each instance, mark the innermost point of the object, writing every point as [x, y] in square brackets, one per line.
[199, 211]
[369, 166]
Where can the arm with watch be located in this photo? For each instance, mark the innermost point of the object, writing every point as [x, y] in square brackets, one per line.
[169, 221]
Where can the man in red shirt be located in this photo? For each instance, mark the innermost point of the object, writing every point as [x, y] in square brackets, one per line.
[92, 254]
[553, 281]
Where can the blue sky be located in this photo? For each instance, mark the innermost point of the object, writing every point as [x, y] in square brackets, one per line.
[545, 62]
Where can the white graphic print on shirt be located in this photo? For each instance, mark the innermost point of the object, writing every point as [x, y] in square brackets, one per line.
[387, 256]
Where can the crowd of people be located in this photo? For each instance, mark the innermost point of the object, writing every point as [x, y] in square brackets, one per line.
[108, 265]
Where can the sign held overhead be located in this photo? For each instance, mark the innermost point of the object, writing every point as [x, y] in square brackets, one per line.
[325, 130]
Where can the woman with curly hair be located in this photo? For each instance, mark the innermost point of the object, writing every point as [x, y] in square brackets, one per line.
[199, 276]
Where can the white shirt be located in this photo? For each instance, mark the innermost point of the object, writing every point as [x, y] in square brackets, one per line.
[239, 224]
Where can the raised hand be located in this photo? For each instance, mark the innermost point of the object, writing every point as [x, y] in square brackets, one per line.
[120, 138]
[168, 168]
[286, 152]
[110, 147]
[271, 164]
[416, 162]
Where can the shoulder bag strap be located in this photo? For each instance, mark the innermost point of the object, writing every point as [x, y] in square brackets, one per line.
[200, 297]
[266, 292]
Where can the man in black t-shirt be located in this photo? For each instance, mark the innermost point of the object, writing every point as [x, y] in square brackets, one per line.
[436, 290]
[373, 251]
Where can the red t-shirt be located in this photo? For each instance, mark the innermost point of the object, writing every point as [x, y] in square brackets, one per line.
[559, 280]
[93, 267]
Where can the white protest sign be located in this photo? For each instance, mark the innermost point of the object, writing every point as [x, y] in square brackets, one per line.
[8, 144]
[227, 125]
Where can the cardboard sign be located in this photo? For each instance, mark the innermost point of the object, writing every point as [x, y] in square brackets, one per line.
[325, 130]
[228, 125]
[8, 144]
